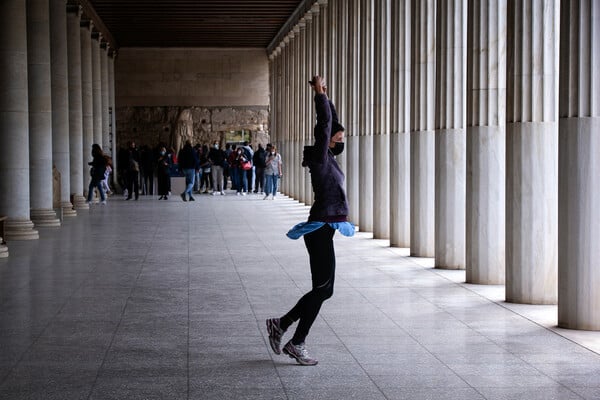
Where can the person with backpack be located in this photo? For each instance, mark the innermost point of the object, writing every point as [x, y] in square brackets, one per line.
[97, 174]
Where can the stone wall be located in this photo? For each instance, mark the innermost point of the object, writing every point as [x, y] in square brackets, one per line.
[173, 125]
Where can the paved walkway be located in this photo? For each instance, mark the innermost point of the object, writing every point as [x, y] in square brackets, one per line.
[167, 300]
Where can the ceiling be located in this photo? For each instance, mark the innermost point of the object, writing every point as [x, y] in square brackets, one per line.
[193, 23]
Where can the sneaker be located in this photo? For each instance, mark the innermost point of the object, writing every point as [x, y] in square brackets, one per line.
[183, 197]
[222, 193]
[103, 202]
[275, 334]
[266, 197]
[299, 353]
[243, 193]
[192, 199]
[215, 193]
[238, 194]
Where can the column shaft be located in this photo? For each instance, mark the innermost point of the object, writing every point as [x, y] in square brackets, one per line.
[400, 124]
[450, 134]
[579, 166]
[14, 122]
[96, 89]
[40, 113]
[365, 119]
[104, 95]
[60, 103]
[422, 146]
[112, 121]
[532, 152]
[486, 145]
[381, 154]
[87, 115]
[75, 106]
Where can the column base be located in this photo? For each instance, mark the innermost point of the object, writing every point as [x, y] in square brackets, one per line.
[20, 230]
[67, 209]
[44, 218]
[79, 203]
[3, 250]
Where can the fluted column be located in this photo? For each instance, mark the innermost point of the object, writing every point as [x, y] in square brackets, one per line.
[450, 134]
[112, 122]
[60, 103]
[365, 117]
[96, 88]
[381, 138]
[352, 138]
[422, 145]
[40, 114]
[87, 115]
[308, 139]
[486, 145]
[400, 124]
[302, 84]
[338, 12]
[104, 94]
[579, 166]
[14, 122]
[532, 152]
[75, 106]
[285, 133]
[292, 143]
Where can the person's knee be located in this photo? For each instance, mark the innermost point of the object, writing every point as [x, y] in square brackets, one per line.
[325, 292]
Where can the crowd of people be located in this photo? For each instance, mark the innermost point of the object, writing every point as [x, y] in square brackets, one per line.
[208, 170]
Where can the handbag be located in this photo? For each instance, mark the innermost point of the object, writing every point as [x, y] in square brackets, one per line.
[246, 165]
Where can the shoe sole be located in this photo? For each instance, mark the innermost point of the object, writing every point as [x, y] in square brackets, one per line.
[298, 360]
[270, 329]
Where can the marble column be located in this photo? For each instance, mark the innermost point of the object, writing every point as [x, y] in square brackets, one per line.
[60, 103]
[40, 114]
[104, 94]
[112, 121]
[308, 136]
[14, 122]
[283, 140]
[422, 144]
[486, 144]
[365, 117]
[352, 145]
[291, 142]
[400, 124]
[87, 113]
[96, 89]
[75, 106]
[299, 136]
[381, 137]
[324, 31]
[338, 11]
[450, 134]
[579, 166]
[532, 152]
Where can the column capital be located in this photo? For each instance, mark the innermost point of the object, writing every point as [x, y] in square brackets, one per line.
[86, 23]
[322, 3]
[315, 9]
[296, 30]
[74, 9]
[95, 35]
[302, 23]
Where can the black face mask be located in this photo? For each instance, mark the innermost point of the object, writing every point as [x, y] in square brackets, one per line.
[337, 149]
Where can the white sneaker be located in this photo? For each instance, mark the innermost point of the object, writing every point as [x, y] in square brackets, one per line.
[214, 193]
[243, 193]
[222, 193]
[103, 202]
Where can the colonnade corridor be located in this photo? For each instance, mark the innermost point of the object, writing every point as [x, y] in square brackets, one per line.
[167, 300]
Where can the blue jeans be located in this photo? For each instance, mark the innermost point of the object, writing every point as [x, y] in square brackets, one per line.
[95, 184]
[271, 184]
[190, 175]
[242, 182]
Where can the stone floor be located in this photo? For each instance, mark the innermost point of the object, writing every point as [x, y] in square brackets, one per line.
[167, 300]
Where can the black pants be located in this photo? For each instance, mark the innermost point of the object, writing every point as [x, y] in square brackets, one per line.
[133, 184]
[322, 267]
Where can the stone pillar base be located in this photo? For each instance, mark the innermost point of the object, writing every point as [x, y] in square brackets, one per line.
[44, 218]
[79, 203]
[67, 209]
[20, 230]
[3, 250]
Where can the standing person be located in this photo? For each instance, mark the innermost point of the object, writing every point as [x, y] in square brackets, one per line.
[233, 170]
[163, 174]
[97, 173]
[249, 154]
[240, 163]
[133, 172]
[216, 157]
[188, 162]
[107, 172]
[328, 213]
[272, 172]
[259, 169]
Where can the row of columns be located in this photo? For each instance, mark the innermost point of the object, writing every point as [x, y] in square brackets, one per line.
[55, 95]
[443, 156]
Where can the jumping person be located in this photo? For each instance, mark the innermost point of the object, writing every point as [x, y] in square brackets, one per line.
[328, 213]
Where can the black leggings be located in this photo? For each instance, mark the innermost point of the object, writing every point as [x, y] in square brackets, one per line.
[319, 244]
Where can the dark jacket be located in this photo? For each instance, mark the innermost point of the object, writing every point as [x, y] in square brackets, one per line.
[259, 158]
[217, 156]
[98, 167]
[187, 157]
[327, 178]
